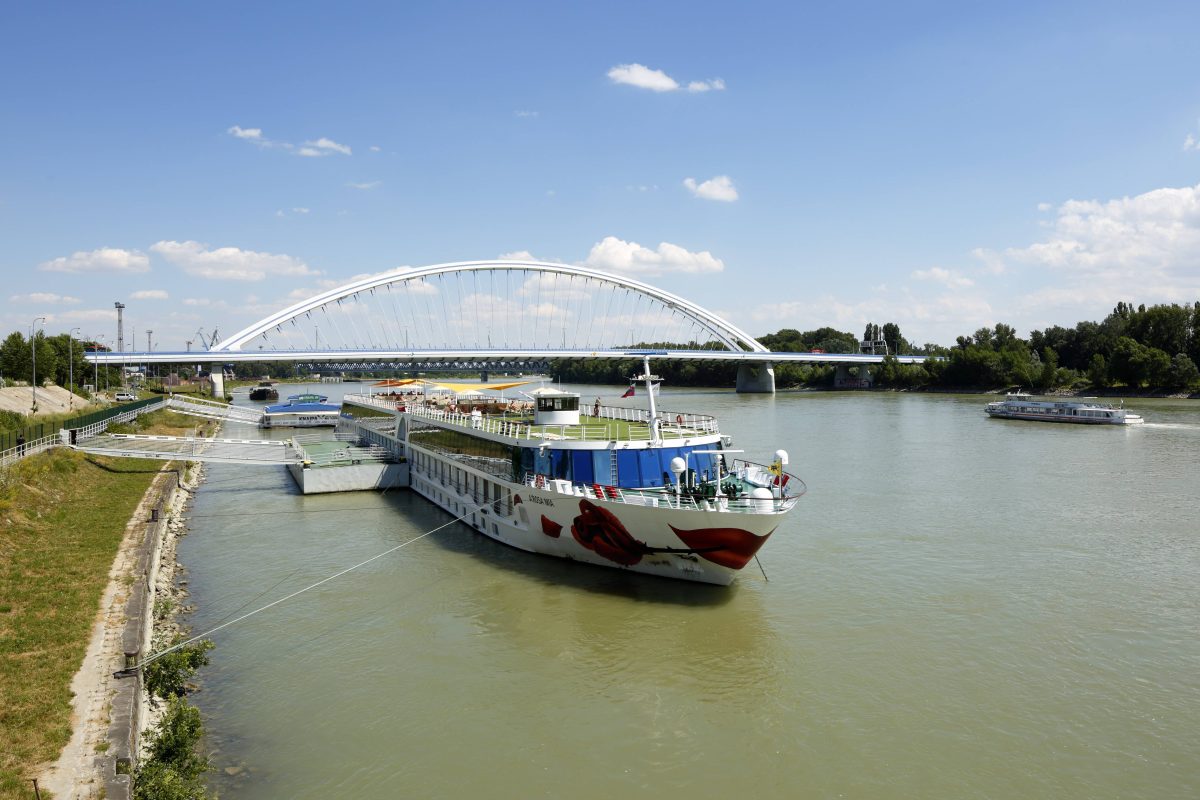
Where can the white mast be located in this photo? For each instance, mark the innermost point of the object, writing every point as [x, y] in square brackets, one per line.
[655, 438]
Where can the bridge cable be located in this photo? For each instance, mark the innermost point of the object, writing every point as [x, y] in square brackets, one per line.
[155, 656]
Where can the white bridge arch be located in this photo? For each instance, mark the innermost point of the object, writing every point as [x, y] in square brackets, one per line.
[473, 305]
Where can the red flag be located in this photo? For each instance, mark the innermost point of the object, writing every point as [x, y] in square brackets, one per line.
[628, 392]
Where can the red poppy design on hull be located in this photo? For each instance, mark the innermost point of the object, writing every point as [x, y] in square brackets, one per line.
[729, 547]
[550, 527]
[600, 531]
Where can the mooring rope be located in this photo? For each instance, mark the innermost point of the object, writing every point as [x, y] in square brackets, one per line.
[155, 656]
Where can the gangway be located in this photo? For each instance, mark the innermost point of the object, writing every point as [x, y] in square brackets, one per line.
[211, 409]
[191, 448]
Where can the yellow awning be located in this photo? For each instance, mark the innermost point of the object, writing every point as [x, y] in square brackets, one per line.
[397, 382]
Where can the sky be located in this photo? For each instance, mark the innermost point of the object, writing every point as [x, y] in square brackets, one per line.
[943, 166]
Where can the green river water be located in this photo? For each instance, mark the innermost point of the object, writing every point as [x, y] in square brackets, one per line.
[959, 608]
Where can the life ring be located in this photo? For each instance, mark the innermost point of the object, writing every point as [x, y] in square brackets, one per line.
[679, 419]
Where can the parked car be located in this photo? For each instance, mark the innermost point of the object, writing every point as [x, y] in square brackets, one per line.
[124, 397]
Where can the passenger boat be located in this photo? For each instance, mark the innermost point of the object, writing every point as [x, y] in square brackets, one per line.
[1019, 405]
[264, 391]
[648, 491]
[301, 411]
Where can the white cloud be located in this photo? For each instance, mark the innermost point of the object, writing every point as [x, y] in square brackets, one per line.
[300, 210]
[365, 186]
[106, 259]
[519, 255]
[375, 148]
[1157, 233]
[149, 294]
[312, 149]
[525, 114]
[1044, 206]
[718, 188]
[643, 77]
[617, 255]
[251, 134]
[43, 297]
[196, 301]
[716, 84]
[656, 80]
[1191, 143]
[327, 146]
[229, 263]
[946, 277]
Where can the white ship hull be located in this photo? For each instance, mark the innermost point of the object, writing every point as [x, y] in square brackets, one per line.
[708, 546]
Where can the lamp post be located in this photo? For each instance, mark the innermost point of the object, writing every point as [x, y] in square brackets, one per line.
[33, 350]
[71, 369]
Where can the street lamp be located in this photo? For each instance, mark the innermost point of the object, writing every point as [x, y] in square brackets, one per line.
[71, 369]
[33, 350]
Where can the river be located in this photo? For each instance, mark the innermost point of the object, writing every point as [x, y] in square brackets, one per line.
[960, 607]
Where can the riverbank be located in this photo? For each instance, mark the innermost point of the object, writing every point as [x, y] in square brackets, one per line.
[66, 518]
[109, 713]
[1123, 392]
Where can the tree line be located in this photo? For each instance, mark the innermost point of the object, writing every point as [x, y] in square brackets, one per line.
[57, 358]
[1135, 348]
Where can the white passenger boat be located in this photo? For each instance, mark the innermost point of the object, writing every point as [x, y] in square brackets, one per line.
[1085, 412]
[301, 411]
[647, 491]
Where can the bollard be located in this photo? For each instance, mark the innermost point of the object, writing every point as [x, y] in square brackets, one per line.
[154, 515]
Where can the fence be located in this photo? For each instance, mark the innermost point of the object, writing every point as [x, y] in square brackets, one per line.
[15, 445]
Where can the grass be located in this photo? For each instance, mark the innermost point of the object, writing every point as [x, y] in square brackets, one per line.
[62, 518]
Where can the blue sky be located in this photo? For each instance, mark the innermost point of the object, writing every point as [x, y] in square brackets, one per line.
[940, 165]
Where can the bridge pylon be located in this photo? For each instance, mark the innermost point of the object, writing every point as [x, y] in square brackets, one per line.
[756, 379]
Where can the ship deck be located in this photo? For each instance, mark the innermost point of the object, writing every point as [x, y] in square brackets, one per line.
[614, 423]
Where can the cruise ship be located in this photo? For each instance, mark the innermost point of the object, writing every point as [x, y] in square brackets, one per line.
[649, 491]
[1018, 405]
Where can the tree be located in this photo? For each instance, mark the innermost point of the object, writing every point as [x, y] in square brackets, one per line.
[1098, 371]
[895, 342]
[1048, 377]
[1183, 371]
[15, 357]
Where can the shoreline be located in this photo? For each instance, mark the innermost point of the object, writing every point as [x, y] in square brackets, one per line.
[109, 714]
[1144, 394]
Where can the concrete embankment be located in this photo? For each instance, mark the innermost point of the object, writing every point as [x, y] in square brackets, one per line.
[111, 712]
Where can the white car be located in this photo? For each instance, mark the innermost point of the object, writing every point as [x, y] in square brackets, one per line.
[122, 397]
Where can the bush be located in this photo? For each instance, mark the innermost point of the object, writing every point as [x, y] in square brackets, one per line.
[173, 768]
[167, 677]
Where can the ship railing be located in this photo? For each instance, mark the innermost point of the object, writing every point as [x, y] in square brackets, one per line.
[668, 420]
[594, 432]
[668, 498]
[672, 424]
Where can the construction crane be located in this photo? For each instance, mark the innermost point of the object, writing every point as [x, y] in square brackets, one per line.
[209, 342]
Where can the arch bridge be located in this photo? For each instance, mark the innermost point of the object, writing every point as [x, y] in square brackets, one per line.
[496, 315]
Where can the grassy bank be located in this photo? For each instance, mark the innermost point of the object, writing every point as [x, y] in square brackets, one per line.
[62, 518]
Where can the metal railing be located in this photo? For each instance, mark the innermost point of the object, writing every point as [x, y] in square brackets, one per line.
[82, 432]
[672, 425]
[665, 498]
